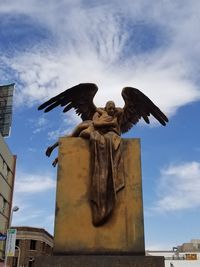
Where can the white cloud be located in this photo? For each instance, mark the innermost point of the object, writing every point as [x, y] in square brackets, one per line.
[90, 45]
[68, 122]
[54, 135]
[42, 121]
[33, 208]
[29, 215]
[157, 246]
[33, 183]
[40, 124]
[32, 150]
[179, 187]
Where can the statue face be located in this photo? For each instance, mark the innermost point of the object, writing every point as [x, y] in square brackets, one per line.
[110, 108]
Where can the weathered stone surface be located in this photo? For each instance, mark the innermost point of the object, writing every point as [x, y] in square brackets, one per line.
[100, 261]
[74, 232]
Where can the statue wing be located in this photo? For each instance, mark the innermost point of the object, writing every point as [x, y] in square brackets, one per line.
[137, 106]
[80, 97]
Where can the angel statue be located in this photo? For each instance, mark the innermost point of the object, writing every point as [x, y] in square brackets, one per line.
[103, 128]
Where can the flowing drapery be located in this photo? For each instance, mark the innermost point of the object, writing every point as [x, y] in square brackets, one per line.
[107, 176]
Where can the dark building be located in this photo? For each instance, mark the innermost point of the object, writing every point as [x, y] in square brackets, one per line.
[31, 242]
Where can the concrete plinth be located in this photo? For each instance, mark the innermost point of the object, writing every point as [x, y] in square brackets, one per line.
[100, 261]
[74, 232]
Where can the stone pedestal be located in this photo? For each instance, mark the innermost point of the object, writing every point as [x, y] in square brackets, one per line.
[100, 261]
[74, 232]
[77, 243]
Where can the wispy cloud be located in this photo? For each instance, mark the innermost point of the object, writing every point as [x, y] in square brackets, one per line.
[105, 43]
[179, 187]
[34, 183]
[41, 124]
[158, 246]
[30, 215]
[54, 135]
[33, 216]
[36, 208]
[67, 124]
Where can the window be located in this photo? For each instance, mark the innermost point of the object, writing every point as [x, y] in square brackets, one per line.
[14, 263]
[48, 249]
[17, 243]
[31, 262]
[43, 246]
[5, 169]
[1, 163]
[2, 204]
[33, 245]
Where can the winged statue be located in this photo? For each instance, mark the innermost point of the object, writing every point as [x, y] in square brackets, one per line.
[103, 128]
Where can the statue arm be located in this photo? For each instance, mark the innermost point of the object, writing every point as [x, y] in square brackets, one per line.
[54, 163]
[50, 149]
[98, 122]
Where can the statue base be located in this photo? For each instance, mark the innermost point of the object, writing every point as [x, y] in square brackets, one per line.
[100, 261]
[74, 232]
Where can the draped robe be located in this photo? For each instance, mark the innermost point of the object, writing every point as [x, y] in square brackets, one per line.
[107, 175]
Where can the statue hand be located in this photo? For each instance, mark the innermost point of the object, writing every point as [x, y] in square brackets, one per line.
[49, 151]
[54, 163]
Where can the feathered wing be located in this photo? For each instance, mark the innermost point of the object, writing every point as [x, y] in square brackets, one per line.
[137, 106]
[80, 97]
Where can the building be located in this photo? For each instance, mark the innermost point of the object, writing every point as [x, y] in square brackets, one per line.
[7, 163]
[31, 242]
[192, 246]
[6, 99]
[7, 177]
[174, 258]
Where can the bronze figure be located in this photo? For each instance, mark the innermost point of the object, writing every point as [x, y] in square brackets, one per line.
[103, 127]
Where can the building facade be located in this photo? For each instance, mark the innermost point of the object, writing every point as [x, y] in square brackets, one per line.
[31, 242]
[192, 246]
[7, 176]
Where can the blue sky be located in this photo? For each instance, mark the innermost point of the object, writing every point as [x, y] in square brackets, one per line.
[48, 46]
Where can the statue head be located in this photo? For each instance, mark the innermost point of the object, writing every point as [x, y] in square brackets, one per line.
[110, 108]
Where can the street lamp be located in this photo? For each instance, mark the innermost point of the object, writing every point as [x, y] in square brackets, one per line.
[14, 209]
[19, 254]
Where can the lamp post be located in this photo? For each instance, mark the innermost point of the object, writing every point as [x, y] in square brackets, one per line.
[14, 209]
[19, 254]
